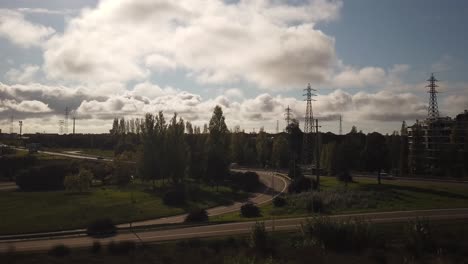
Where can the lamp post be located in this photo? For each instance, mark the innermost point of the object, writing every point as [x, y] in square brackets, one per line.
[131, 197]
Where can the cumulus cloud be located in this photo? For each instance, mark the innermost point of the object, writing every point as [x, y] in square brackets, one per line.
[270, 43]
[33, 106]
[15, 28]
[26, 73]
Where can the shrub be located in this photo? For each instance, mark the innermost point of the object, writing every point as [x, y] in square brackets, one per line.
[315, 205]
[259, 237]
[101, 227]
[175, 197]
[120, 248]
[43, 178]
[345, 177]
[279, 201]
[419, 238]
[96, 247]
[301, 184]
[248, 181]
[341, 235]
[197, 215]
[250, 210]
[59, 251]
[80, 182]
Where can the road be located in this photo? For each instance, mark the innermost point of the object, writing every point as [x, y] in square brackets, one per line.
[149, 236]
[274, 185]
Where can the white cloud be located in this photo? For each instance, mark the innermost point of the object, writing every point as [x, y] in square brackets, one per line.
[18, 30]
[26, 73]
[33, 106]
[269, 43]
[27, 10]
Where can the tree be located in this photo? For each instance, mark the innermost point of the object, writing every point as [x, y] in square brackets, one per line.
[262, 147]
[176, 149]
[115, 127]
[280, 152]
[375, 153]
[148, 162]
[295, 140]
[217, 162]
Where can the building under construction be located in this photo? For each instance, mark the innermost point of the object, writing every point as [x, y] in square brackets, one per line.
[438, 145]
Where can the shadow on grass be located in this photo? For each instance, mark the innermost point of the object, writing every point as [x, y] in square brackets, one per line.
[390, 187]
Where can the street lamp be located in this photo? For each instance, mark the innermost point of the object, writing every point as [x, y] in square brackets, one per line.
[131, 197]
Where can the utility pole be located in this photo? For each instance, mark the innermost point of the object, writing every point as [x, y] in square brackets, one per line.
[341, 127]
[21, 127]
[277, 126]
[12, 120]
[67, 112]
[317, 157]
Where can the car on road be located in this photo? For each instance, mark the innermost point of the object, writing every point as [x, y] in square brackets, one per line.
[99, 158]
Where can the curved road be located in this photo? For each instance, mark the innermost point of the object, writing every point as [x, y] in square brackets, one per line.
[150, 236]
[274, 185]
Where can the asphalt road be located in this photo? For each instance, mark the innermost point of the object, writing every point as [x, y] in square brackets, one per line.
[274, 185]
[223, 230]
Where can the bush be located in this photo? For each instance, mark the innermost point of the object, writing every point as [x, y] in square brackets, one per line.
[259, 237]
[341, 235]
[175, 197]
[197, 215]
[345, 177]
[59, 251]
[80, 182]
[316, 205]
[250, 210]
[279, 201]
[419, 238]
[96, 247]
[43, 178]
[101, 227]
[301, 184]
[248, 181]
[120, 248]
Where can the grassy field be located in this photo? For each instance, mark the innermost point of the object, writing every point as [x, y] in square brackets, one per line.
[25, 212]
[365, 195]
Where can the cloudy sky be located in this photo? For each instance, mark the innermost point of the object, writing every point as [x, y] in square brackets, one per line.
[367, 59]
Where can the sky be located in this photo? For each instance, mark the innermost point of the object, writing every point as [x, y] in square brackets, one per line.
[367, 60]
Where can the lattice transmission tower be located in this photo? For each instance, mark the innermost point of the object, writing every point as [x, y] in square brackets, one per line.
[433, 109]
[308, 126]
[288, 116]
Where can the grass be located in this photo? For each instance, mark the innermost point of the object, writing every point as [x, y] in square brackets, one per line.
[365, 195]
[26, 212]
[281, 247]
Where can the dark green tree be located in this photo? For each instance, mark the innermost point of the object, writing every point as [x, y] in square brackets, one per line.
[217, 161]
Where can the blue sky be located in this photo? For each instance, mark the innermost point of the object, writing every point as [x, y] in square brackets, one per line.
[368, 60]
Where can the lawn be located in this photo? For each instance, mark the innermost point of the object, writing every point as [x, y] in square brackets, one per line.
[365, 195]
[26, 212]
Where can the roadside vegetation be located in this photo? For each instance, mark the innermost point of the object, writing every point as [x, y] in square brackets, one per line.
[362, 195]
[320, 239]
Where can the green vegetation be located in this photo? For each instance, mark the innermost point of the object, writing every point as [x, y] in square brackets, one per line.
[26, 212]
[353, 244]
[365, 195]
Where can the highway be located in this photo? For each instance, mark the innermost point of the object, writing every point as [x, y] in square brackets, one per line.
[151, 236]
